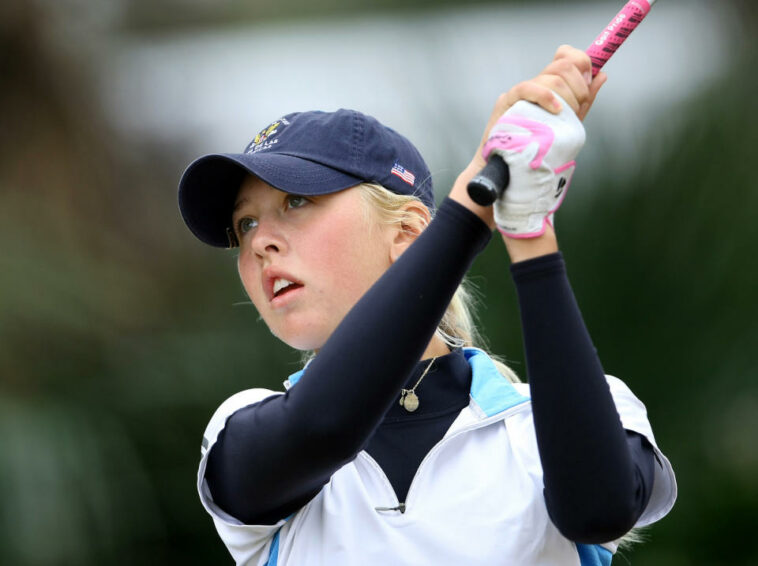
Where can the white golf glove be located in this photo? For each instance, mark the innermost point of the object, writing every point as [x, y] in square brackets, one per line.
[539, 148]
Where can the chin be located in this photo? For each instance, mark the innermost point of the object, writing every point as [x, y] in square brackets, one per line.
[303, 341]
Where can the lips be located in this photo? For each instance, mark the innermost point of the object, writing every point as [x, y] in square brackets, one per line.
[282, 286]
[276, 283]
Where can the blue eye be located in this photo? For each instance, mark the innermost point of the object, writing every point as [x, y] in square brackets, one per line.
[244, 225]
[296, 201]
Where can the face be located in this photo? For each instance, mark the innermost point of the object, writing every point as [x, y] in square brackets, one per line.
[305, 261]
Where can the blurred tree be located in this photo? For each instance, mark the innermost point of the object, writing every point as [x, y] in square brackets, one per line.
[102, 404]
[143, 15]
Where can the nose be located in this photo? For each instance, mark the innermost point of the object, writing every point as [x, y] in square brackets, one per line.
[269, 238]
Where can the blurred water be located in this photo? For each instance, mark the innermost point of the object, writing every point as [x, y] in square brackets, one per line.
[432, 76]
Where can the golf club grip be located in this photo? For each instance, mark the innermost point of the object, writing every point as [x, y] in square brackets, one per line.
[490, 182]
[487, 186]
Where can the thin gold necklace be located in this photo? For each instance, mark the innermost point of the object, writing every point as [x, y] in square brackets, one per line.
[408, 397]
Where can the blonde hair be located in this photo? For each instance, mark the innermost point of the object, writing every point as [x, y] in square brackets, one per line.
[458, 325]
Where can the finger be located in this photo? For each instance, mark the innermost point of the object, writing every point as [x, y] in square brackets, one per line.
[573, 70]
[530, 91]
[577, 57]
[597, 83]
[567, 81]
[579, 82]
[540, 93]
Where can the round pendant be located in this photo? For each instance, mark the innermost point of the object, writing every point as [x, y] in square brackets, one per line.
[409, 401]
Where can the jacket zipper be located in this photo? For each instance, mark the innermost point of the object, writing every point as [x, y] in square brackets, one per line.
[401, 506]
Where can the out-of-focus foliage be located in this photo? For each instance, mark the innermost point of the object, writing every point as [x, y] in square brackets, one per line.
[116, 336]
[119, 334]
[144, 14]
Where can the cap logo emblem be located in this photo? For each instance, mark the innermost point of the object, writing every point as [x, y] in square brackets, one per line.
[266, 137]
[403, 173]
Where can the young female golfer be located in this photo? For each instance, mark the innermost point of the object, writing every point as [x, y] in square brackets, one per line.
[400, 442]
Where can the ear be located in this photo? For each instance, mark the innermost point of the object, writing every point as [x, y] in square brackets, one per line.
[416, 218]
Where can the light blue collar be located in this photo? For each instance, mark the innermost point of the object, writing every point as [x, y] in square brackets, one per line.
[292, 380]
[492, 392]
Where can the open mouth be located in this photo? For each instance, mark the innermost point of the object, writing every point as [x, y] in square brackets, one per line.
[283, 286]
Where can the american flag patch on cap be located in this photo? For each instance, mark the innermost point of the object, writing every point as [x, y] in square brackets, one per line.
[403, 173]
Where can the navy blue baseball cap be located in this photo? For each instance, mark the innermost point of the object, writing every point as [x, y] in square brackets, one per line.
[304, 153]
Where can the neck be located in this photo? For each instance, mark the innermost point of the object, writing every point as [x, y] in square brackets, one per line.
[435, 348]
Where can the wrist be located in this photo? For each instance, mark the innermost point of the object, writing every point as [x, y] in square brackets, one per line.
[459, 193]
[522, 249]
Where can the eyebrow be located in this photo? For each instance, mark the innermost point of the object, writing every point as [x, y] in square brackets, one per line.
[239, 203]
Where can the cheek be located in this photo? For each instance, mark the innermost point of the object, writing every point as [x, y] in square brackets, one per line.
[351, 258]
[250, 277]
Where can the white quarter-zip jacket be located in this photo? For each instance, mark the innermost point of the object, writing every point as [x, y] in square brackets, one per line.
[477, 497]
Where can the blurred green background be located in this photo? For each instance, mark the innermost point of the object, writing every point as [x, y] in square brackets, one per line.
[120, 334]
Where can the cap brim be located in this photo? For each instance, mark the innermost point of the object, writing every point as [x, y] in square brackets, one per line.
[209, 186]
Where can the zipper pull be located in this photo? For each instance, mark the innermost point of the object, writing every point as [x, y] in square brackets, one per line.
[400, 507]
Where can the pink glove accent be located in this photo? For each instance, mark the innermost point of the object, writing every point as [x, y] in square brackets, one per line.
[515, 140]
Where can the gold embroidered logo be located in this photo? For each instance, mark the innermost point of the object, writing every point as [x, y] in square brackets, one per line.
[266, 137]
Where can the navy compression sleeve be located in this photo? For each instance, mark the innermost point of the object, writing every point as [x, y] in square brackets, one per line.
[250, 471]
[251, 439]
[597, 481]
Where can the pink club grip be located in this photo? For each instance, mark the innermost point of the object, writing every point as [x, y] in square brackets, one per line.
[616, 32]
[491, 181]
